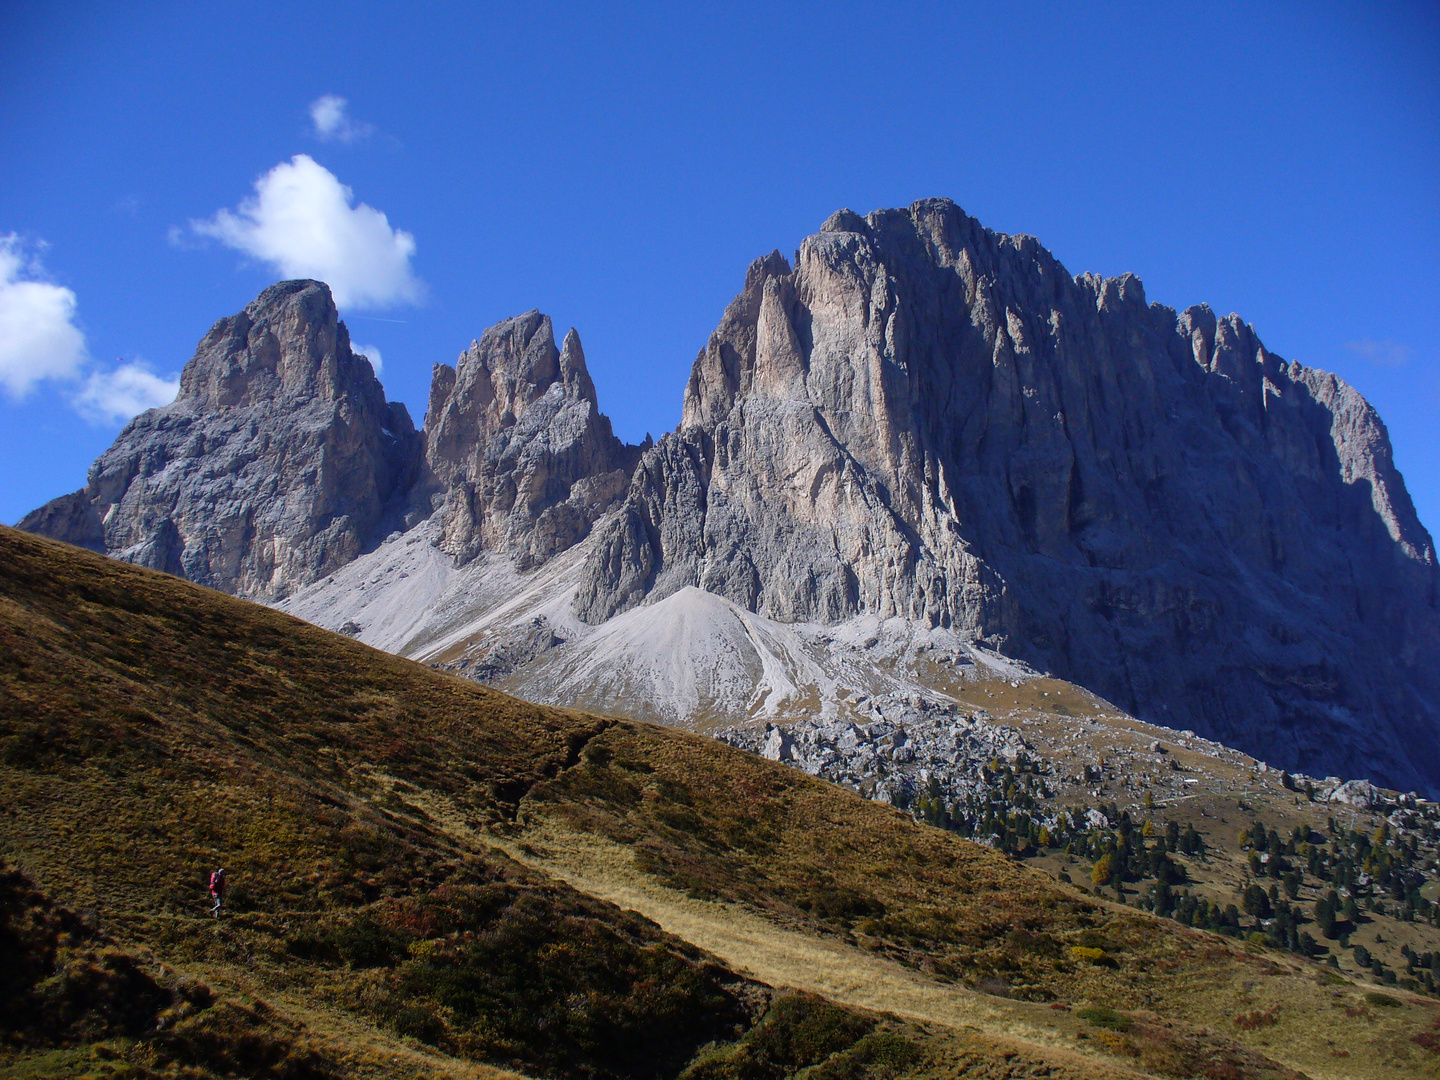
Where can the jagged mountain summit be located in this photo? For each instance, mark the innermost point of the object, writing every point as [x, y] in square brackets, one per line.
[922, 437]
[275, 465]
[929, 420]
[280, 460]
[517, 445]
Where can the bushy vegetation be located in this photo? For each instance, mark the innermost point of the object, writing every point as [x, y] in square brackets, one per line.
[190, 730]
[802, 1032]
[61, 982]
[1100, 1016]
[1362, 871]
[64, 983]
[517, 981]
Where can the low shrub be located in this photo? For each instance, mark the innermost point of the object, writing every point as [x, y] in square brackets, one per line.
[1093, 939]
[1255, 1020]
[419, 1022]
[1024, 941]
[881, 1055]
[797, 1032]
[1103, 1017]
[366, 944]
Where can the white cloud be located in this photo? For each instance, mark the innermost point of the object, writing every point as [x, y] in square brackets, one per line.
[333, 125]
[116, 396]
[1386, 353]
[39, 340]
[371, 353]
[302, 222]
[38, 336]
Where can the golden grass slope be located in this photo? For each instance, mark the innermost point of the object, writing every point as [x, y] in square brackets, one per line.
[430, 878]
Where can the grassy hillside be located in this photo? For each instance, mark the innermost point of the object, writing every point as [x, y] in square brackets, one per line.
[423, 873]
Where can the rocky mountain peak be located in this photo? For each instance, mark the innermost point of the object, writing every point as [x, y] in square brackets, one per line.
[927, 419]
[725, 369]
[918, 420]
[517, 446]
[288, 342]
[278, 462]
[573, 371]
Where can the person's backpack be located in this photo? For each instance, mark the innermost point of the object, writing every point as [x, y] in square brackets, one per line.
[217, 881]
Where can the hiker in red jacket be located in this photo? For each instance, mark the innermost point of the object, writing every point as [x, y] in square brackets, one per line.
[217, 891]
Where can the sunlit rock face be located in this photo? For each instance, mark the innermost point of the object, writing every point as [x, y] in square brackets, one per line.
[278, 462]
[926, 419]
[517, 447]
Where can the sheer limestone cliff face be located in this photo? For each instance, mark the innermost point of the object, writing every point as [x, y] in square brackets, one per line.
[276, 464]
[927, 419]
[517, 448]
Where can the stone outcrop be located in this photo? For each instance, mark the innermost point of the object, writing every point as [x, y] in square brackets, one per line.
[930, 420]
[517, 447]
[278, 462]
[904, 744]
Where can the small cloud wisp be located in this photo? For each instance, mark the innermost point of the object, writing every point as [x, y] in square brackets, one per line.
[111, 397]
[333, 123]
[1387, 353]
[371, 353]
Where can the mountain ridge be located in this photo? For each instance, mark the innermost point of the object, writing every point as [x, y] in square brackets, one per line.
[926, 420]
[276, 463]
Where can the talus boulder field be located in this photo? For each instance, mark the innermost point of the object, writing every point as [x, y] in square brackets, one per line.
[920, 422]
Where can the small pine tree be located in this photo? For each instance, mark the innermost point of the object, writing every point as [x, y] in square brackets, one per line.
[1292, 885]
[1190, 842]
[1103, 871]
[1257, 904]
[1325, 918]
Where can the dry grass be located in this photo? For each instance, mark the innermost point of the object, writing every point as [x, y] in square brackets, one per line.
[150, 729]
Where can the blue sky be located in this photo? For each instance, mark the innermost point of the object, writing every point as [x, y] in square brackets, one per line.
[618, 168]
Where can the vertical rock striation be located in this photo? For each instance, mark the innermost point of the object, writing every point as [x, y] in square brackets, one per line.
[929, 420]
[277, 463]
